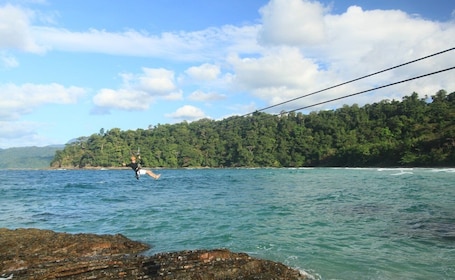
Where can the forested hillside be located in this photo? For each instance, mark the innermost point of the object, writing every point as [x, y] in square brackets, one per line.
[412, 132]
[28, 157]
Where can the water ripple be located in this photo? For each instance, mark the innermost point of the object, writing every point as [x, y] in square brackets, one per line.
[334, 223]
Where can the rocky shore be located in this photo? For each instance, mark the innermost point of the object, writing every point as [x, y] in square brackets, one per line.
[44, 254]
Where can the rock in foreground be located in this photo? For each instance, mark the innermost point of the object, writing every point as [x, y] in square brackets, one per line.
[43, 254]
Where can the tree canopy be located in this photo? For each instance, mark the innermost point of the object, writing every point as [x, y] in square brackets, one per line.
[412, 132]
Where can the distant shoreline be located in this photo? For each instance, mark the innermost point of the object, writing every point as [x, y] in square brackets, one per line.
[227, 168]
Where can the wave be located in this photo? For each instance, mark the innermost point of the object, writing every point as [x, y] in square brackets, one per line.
[401, 173]
[394, 169]
[310, 275]
[448, 170]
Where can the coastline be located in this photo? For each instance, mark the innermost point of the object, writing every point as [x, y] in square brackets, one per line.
[45, 254]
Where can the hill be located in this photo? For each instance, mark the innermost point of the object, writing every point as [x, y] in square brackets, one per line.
[412, 132]
[28, 157]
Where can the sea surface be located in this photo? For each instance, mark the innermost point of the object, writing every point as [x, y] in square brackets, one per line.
[331, 223]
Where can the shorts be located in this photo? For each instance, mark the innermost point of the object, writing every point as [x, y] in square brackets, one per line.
[142, 172]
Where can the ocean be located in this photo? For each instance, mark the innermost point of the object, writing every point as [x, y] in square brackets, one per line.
[333, 223]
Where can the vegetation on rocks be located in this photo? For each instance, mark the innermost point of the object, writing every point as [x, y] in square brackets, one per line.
[412, 132]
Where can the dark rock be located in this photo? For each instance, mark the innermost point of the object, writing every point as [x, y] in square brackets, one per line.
[44, 254]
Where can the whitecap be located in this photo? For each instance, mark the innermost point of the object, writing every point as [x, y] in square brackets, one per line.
[449, 170]
[401, 173]
[309, 275]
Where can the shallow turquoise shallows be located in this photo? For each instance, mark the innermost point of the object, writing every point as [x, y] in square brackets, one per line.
[332, 223]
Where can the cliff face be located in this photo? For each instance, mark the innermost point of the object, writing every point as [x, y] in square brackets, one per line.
[43, 254]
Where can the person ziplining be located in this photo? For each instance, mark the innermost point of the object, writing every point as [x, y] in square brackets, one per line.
[137, 167]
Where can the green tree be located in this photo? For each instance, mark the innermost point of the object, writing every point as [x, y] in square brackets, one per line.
[411, 132]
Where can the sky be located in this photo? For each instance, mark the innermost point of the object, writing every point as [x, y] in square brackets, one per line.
[71, 68]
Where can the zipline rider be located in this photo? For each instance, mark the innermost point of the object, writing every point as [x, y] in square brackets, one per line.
[136, 166]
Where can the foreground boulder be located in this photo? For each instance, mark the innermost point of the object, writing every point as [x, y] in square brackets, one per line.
[44, 254]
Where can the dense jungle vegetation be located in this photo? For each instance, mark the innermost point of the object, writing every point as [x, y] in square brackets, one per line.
[412, 132]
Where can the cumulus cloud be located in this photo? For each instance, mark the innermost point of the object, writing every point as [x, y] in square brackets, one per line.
[122, 99]
[16, 31]
[188, 113]
[157, 81]
[358, 33]
[297, 46]
[308, 49]
[204, 72]
[138, 91]
[283, 67]
[18, 100]
[292, 22]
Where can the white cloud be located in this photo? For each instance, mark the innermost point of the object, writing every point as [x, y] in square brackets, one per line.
[187, 112]
[15, 30]
[18, 100]
[298, 47]
[292, 22]
[204, 72]
[182, 46]
[338, 48]
[122, 99]
[157, 81]
[138, 92]
[378, 39]
[18, 33]
[200, 95]
[357, 33]
[282, 67]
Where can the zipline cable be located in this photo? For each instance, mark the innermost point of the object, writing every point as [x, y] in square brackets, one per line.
[351, 81]
[376, 88]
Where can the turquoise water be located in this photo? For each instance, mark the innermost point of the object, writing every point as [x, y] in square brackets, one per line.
[332, 223]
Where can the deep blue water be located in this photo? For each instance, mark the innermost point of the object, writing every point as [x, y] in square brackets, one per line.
[332, 223]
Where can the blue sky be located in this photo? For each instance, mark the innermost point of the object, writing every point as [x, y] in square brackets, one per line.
[70, 68]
